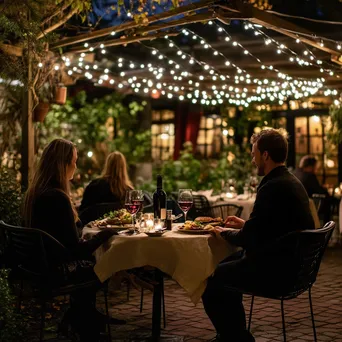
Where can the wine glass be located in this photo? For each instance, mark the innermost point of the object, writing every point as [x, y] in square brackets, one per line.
[185, 200]
[133, 202]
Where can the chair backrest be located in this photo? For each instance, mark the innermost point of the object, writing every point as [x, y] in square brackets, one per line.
[26, 248]
[96, 211]
[148, 208]
[148, 200]
[301, 253]
[200, 207]
[318, 200]
[224, 210]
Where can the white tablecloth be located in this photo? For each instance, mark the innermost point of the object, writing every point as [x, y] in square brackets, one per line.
[188, 259]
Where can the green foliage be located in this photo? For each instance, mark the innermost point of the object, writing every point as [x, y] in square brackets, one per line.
[182, 173]
[10, 119]
[24, 25]
[10, 197]
[100, 126]
[239, 165]
[189, 172]
[334, 132]
[11, 324]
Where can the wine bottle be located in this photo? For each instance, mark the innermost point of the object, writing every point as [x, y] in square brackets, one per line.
[159, 200]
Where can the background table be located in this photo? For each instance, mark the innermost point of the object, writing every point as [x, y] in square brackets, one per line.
[247, 205]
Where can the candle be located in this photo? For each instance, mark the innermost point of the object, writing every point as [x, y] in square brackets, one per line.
[149, 223]
[157, 227]
[229, 195]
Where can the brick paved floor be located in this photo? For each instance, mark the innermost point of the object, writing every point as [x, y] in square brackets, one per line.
[189, 321]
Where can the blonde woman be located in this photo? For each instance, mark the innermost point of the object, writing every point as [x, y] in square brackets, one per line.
[111, 186]
[48, 207]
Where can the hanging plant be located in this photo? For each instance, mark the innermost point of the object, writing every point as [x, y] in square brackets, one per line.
[334, 126]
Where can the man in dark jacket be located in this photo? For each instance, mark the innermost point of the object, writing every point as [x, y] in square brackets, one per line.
[281, 206]
[306, 173]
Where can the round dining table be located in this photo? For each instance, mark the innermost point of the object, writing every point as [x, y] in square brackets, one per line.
[188, 258]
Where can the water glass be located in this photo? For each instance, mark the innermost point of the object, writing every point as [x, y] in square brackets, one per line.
[185, 200]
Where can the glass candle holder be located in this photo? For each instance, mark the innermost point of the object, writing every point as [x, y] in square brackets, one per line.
[147, 222]
[158, 224]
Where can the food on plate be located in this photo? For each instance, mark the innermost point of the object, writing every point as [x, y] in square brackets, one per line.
[217, 221]
[192, 225]
[117, 217]
[209, 227]
[195, 225]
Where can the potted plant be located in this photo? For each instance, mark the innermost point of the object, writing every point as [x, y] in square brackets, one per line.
[41, 111]
[43, 106]
[60, 94]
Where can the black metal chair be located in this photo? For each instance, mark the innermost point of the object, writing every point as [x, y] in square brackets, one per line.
[200, 207]
[224, 210]
[299, 253]
[148, 200]
[318, 200]
[96, 211]
[148, 208]
[26, 250]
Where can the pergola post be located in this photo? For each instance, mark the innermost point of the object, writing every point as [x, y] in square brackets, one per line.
[27, 142]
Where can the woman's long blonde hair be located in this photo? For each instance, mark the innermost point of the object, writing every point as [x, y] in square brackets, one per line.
[51, 173]
[115, 172]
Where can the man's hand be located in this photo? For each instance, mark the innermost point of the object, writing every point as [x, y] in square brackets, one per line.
[234, 222]
[216, 232]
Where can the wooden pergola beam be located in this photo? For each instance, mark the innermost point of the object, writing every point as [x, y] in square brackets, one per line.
[158, 27]
[139, 34]
[12, 50]
[132, 25]
[278, 24]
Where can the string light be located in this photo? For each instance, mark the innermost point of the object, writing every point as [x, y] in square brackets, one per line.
[298, 59]
[197, 91]
[238, 96]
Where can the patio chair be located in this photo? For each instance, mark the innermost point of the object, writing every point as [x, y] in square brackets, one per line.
[148, 200]
[27, 251]
[96, 211]
[300, 254]
[148, 208]
[318, 199]
[224, 210]
[200, 207]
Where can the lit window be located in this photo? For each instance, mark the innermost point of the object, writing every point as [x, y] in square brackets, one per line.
[210, 136]
[163, 134]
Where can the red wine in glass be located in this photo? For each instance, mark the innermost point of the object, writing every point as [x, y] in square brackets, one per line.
[185, 205]
[132, 208]
[140, 203]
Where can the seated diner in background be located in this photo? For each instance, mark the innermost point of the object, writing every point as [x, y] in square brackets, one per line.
[111, 186]
[281, 206]
[306, 173]
[48, 207]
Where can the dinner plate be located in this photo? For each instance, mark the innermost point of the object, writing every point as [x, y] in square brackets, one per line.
[194, 231]
[117, 226]
[155, 234]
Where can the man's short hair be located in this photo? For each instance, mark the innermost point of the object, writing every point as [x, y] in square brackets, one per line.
[274, 141]
[307, 161]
